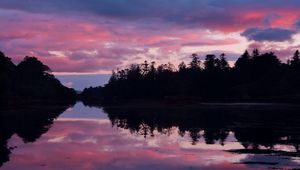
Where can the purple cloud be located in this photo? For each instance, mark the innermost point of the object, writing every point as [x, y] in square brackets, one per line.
[268, 34]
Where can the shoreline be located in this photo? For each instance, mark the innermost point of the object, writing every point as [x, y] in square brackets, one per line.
[34, 102]
[148, 104]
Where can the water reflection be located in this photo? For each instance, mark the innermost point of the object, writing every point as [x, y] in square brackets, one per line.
[211, 137]
[27, 122]
[254, 129]
[261, 130]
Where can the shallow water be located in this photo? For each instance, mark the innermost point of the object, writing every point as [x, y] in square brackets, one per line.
[81, 137]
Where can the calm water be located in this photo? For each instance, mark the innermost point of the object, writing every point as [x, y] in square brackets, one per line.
[211, 137]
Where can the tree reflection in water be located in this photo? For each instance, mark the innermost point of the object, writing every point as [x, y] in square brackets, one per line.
[258, 129]
[263, 131]
[28, 122]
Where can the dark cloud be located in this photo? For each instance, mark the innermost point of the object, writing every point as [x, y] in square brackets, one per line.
[144, 7]
[204, 13]
[268, 34]
[297, 24]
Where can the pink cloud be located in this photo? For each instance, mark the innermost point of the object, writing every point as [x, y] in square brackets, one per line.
[118, 41]
[284, 53]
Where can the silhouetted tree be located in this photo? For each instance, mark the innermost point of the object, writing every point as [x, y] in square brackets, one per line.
[223, 63]
[30, 79]
[210, 62]
[182, 67]
[7, 69]
[255, 53]
[92, 94]
[195, 63]
[113, 78]
[295, 62]
[145, 68]
[243, 63]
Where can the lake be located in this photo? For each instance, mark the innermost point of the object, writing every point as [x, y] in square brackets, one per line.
[213, 136]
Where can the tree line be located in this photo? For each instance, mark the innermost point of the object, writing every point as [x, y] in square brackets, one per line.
[30, 79]
[254, 77]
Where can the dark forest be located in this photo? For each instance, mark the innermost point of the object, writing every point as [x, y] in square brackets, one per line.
[255, 77]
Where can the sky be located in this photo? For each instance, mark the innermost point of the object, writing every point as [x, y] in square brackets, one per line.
[95, 36]
[81, 81]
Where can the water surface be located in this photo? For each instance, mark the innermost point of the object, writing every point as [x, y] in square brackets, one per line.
[210, 137]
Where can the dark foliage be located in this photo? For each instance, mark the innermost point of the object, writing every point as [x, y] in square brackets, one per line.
[92, 95]
[30, 79]
[256, 77]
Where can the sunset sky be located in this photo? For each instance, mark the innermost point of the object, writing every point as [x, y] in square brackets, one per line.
[96, 36]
